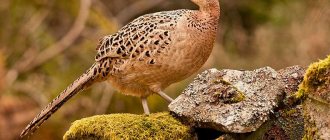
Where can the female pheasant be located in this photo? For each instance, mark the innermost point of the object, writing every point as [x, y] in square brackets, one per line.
[147, 55]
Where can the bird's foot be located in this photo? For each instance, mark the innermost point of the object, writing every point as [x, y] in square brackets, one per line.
[145, 105]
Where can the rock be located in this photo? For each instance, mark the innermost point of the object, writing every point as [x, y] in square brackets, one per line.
[316, 81]
[129, 126]
[292, 77]
[230, 100]
[226, 137]
[286, 104]
[316, 89]
[289, 116]
[287, 122]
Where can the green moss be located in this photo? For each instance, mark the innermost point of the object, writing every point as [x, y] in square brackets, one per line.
[225, 93]
[238, 97]
[290, 112]
[310, 133]
[315, 91]
[221, 81]
[301, 93]
[129, 126]
[317, 75]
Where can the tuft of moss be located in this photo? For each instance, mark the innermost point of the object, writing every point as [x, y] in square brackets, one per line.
[316, 94]
[238, 97]
[317, 77]
[129, 126]
[310, 133]
[228, 93]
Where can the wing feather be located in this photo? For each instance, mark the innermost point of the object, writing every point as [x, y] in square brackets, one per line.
[145, 36]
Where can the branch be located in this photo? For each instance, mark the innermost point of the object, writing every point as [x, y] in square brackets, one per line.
[136, 8]
[105, 100]
[65, 42]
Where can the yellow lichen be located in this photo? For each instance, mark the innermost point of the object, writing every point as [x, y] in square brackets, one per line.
[290, 112]
[314, 77]
[238, 97]
[310, 132]
[233, 97]
[129, 126]
[314, 89]
[221, 81]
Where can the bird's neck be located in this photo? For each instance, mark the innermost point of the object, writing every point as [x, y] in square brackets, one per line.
[212, 8]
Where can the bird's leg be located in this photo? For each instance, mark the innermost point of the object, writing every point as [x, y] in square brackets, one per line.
[165, 96]
[145, 105]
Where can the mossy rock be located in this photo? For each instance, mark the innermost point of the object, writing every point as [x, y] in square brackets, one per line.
[315, 90]
[129, 126]
[316, 83]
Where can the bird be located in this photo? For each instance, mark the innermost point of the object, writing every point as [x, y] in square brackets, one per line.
[147, 55]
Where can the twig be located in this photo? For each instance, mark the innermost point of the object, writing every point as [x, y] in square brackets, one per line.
[53, 50]
[66, 41]
[32, 91]
[101, 6]
[31, 25]
[136, 8]
[36, 20]
[105, 100]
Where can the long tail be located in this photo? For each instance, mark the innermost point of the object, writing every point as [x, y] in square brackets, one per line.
[78, 85]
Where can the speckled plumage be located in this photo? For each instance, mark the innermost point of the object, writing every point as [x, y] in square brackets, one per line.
[155, 51]
[148, 54]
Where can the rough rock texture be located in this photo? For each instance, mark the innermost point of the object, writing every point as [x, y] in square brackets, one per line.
[316, 81]
[287, 121]
[129, 126]
[285, 124]
[230, 100]
[316, 89]
[289, 116]
[282, 105]
[291, 78]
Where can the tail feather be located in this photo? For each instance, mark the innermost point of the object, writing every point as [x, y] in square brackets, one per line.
[80, 84]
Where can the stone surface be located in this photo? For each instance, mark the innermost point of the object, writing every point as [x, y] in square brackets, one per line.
[316, 90]
[282, 105]
[292, 77]
[316, 84]
[287, 123]
[289, 116]
[129, 126]
[230, 100]
[317, 121]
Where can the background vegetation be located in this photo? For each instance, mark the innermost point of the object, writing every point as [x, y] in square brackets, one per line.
[46, 44]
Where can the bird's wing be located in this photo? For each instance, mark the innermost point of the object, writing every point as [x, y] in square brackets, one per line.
[146, 35]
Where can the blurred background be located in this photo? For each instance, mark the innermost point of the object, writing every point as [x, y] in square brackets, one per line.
[46, 44]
